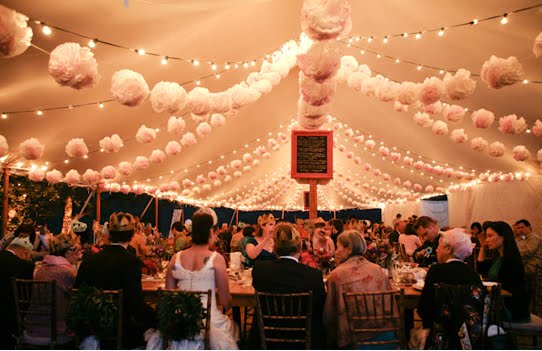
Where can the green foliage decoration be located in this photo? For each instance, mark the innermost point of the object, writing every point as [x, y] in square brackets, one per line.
[180, 315]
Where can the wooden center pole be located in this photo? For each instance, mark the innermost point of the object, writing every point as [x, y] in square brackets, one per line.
[6, 202]
[156, 213]
[313, 200]
[98, 204]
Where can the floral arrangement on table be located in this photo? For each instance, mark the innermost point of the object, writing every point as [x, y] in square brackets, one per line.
[319, 259]
[150, 267]
[380, 252]
[162, 248]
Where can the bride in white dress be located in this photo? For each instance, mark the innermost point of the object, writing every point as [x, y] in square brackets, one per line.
[199, 269]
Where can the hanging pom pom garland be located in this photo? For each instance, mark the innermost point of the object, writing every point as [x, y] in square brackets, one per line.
[73, 66]
[15, 35]
[498, 72]
[168, 97]
[129, 88]
[31, 149]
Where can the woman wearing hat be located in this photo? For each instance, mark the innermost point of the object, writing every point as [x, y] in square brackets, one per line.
[260, 247]
[59, 265]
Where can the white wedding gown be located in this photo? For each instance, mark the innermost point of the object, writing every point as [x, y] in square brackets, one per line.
[223, 332]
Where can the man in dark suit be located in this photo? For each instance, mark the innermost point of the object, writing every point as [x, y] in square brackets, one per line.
[426, 227]
[286, 275]
[14, 263]
[115, 268]
[399, 229]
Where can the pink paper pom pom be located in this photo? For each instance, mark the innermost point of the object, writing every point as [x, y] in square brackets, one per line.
[247, 168]
[377, 172]
[431, 90]
[496, 149]
[212, 175]
[217, 120]
[440, 189]
[423, 120]
[157, 156]
[200, 179]
[397, 181]
[459, 136]
[266, 155]
[73, 66]
[359, 139]
[407, 184]
[438, 170]
[386, 91]
[188, 139]
[237, 174]
[460, 85]
[114, 187]
[370, 144]
[92, 177]
[125, 168]
[15, 35]
[227, 178]
[315, 93]
[247, 158]
[448, 172]
[350, 155]
[138, 190]
[483, 177]
[537, 46]
[185, 192]
[221, 170]
[418, 165]
[31, 149]
[521, 153]
[241, 95]
[482, 118]
[203, 129]
[236, 164]
[129, 88]
[109, 172]
[256, 163]
[357, 160]
[145, 135]
[407, 161]
[433, 109]
[512, 125]
[429, 189]
[152, 190]
[4, 147]
[187, 183]
[175, 125]
[440, 128]
[478, 144]
[76, 148]
[174, 186]
[283, 138]
[367, 167]
[125, 189]
[539, 155]
[537, 128]
[349, 133]
[168, 97]
[141, 162]
[365, 186]
[341, 148]
[417, 187]
[173, 148]
[453, 113]
[199, 101]
[111, 144]
[508, 177]
[323, 20]
[386, 177]
[399, 107]
[53, 176]
[272, 142]
[217, 183]
[395, 156]
[320, 62]
[164, 187]
[407, 93]
[72, 177]
[36, 175]
[498, 72]
[384, 151]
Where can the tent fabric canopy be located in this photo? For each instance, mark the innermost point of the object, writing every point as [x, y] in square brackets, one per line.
[222, 33]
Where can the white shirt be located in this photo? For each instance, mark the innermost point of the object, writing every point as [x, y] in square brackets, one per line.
[290, 258]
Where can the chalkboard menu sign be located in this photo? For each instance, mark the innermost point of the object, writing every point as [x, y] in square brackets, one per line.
[312, 154]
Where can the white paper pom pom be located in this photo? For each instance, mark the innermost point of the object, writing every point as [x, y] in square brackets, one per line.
[157, 156]
[114, 188]
[539, 155]
[407, 161]
[125, 168]
[537, 128]
[323, 20]
[417, 187]
[73, 66]
[141, 162]
[395, 156]
[478, 144]
[399, 107]
[369, 86]
[496, 149]
[217, 183]
[187, 183]
[429, 189]
[188, 139]
[129, 88]
[109, 172]
[206, 187]
[111, 144]
[320, 62]
[200, 179]
[53, 176]
[263, 86]
[241, 95]
[537, 46]
[386, 177]
[266, 155]
[407, 93]
[203, 129]
[125, 189]
[433, 109]
[15, 36]
[453, 113]
[407, 184]
[76, 148]
[460, 85]
[236, 164]
[459, 136]
[370, 144]
[237, 174]
[521, 153]
[423, 119]
[92, 177]
[367, 167]
[482, 118]
[4, 147]
[145, 135]
[31, 149]
[386, 91]
[440, 128]
[217, 120]
[247, 168]
[512, 125]
[36, 175]
[498, 72]
[199, 101]
[173, 148]
[227, 178]
[72, 177]
[431, 90]
[384, 151]
[256, 163]
[418, 165]
[315, 93]
[247, 158]
[221, 170]
[168, 97]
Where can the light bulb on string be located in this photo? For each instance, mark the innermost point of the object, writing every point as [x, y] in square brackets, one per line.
[441, 32]
[213, 66]
[164, 60]
[91, 44]
[195, 62]
[101, 105]
[418, 35]
[4, 115]
[141, 52]
[46, 30]
[39, 112]
[504, 19]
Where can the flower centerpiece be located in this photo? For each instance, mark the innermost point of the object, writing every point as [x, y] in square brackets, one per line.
[380, 252]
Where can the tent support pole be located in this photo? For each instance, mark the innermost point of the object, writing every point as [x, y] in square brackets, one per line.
[98, 204]
[6, 198]
[156, 213]
[313, 205]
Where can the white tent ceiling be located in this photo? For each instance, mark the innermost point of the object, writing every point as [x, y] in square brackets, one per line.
[240, 31]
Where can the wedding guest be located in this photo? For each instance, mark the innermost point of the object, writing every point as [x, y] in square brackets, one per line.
[200, 269]
[24, 230]
[337, 227]
[399, 229]
[426, 254]
[139, 242]
[115, 268]
[410, 239]
[475, 230]
[286, 275]
[354, 274]
[180, 236]
[234, 243]
[322, 244]
[260, 247]
[529, 246]
[506, 269]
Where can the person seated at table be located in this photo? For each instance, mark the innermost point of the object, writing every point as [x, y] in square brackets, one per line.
[322, 245]
[506, 269]
[454, 247]
[59, 266]
[200, 269]
[410, 239]
[139, 242]
[234, 243]
[354, 274]
[179, 234]
[260, 247]
[115, 268]
[286, 275]
[426, 254]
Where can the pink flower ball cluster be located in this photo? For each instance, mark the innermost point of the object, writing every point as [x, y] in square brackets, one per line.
[129, 88]
[76, 148]
[498, 72]
[73, 66]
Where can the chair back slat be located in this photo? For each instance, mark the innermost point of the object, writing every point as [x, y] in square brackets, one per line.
[370, 314]
[284, 319]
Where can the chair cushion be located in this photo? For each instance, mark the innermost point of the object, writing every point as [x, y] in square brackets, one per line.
[535, 325]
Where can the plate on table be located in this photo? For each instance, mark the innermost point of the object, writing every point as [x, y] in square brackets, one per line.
[488, 284]
[419, 285]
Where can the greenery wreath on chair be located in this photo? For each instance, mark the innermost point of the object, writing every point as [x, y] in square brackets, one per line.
[180, 315]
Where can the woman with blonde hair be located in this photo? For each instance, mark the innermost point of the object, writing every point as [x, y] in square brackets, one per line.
[260, 247]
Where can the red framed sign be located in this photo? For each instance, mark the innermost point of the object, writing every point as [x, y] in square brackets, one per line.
[312, 154]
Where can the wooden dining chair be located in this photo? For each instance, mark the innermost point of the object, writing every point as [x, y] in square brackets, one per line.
[404, 256]
[284, 320]
[373, 313]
